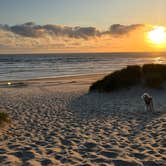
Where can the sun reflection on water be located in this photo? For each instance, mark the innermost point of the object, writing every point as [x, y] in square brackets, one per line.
[158, 60]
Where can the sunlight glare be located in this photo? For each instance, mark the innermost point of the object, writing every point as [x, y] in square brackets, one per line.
[157, 35]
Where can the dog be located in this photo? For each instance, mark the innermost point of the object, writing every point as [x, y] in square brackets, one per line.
[148, 102]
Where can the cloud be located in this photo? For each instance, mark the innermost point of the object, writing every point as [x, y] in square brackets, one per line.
[27, 30]
[118, 29]
[30, 29]
[73, 32]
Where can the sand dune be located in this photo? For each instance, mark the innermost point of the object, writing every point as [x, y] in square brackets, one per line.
[56, 122]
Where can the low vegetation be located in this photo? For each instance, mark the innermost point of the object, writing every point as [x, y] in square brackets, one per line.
[13, 85]
[148, 75]
[3, 118]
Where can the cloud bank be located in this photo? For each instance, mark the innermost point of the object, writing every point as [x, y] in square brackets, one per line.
[30, 29]
[51, 38]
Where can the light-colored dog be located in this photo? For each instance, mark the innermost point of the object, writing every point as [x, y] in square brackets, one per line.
[148, 102]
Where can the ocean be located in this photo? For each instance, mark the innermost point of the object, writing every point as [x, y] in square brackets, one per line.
[30, 66]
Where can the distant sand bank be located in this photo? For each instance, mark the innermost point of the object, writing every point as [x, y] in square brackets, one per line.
[56, 122]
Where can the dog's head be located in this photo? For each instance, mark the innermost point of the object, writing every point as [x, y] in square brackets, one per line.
[146, 96]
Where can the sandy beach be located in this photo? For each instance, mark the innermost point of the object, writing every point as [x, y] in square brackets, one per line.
[55, 121]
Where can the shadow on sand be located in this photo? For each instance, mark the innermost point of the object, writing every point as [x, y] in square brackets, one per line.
[122, 107]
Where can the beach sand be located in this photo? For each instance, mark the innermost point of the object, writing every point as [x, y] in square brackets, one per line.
[55, 121]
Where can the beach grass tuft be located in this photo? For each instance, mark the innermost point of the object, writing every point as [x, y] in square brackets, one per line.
[4, 118]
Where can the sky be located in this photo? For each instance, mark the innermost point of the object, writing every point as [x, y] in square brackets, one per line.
[78, 25]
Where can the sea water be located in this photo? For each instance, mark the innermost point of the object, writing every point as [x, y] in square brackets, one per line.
[30, 66]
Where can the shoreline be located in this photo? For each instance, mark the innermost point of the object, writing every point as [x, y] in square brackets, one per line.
[67, 83]
[55, 78]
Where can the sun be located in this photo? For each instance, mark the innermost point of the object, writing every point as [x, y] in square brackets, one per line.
[157, 36]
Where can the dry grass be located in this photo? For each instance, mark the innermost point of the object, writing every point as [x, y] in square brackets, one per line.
[4, 118]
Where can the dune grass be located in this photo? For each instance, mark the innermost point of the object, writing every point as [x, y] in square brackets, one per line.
[4, 118]
[148, 75]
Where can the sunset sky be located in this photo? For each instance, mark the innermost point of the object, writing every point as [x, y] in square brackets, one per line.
[48, 26]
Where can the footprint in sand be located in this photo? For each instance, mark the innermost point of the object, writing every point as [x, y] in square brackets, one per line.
[125, 163]
[3, 158]
[101, 161]
[11, 146]
[151, 152]
[153, 163]
[109, 154]
[162, 151]
[46, 162]
[66, 142]
[140, 156]
[90, 145]
[24, 155]
[2, 151]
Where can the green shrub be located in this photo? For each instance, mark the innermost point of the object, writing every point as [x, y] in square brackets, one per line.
[149, 75]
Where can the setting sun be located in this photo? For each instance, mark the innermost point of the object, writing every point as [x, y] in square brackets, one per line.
[157, 35]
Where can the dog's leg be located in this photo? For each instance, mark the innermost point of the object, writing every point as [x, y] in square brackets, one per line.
[152, 107]
[146, 108]
[149, 107]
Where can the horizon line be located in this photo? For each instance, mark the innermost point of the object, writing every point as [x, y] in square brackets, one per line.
[116, 52]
